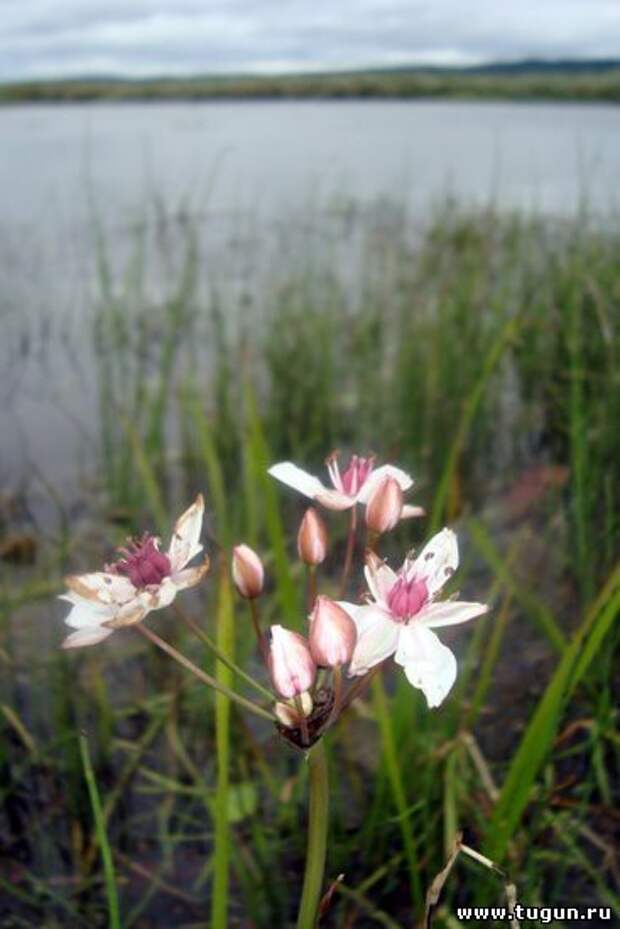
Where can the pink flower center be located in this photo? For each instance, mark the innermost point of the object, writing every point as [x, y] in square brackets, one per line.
[406, 598]
[357, 473]
[143, 563]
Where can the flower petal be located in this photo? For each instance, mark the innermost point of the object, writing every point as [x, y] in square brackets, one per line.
[437, 561]
[411, 512]
[449, 613]
[131, 613]
[334, 500]
[404, 480]
[189, 577]
[185, 544]
[377, 637]
[379, 577]
[428, 665]
[86, 637]
[297, 478]
[102, 586]
[87, 615]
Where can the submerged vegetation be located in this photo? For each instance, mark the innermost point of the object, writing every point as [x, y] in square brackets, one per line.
[482, 356]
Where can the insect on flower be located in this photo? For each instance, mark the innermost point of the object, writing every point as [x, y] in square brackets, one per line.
[400, 620]
[353, 485]
[142, 580]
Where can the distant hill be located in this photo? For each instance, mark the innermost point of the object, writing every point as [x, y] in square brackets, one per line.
[530, 79]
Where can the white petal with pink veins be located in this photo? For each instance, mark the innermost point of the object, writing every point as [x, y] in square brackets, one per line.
[437, 561]
[185, 543]
[449, 613]
[86, 637]
[428, 665]
[375, 477]
[380, 578]
[377, 637]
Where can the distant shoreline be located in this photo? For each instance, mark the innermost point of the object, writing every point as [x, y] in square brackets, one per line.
[570, 83]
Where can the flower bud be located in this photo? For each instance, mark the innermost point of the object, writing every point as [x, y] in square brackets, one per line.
[291, 665]
[333, 634]
[312, 538]
[248, 573]
[290, 715]
[385, 506]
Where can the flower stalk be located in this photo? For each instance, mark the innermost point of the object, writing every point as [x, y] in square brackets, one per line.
[348, 560]
[318, 816]
[200, 674]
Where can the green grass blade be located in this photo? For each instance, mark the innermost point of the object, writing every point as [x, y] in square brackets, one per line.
[540, 733]
[114, 919]
[287, 591]
[540, 613]
[394, 772]
[470, 408]
[221, 855]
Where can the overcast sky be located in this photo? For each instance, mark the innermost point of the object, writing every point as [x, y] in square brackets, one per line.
[143, 37]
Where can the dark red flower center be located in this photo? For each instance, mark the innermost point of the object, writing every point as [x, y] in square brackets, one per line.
[143, 563]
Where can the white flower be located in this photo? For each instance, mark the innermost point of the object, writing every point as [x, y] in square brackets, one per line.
[354, 485]
[144, 579]
[400, 620]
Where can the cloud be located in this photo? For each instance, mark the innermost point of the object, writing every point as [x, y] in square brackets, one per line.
[142, 37]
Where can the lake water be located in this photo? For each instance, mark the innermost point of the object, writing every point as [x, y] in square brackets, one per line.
[255, 177]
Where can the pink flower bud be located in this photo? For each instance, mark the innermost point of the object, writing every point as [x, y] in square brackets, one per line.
[312, 538]
[333, 634]
[248, 573]
[291, 665]
[385, 506]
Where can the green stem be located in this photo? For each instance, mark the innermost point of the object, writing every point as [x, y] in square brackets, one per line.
[208, 641]
[318, 815]
[200, 674]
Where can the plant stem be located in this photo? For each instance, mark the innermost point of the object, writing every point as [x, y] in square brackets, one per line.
[349, 554]
[260, 638]
[359, 686]
[200, 674]
[337, 682]
[318, 814]
[114, 920]
[312, 587]
[231, 665]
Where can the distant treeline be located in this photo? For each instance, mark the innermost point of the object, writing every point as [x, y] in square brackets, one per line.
[514, 81]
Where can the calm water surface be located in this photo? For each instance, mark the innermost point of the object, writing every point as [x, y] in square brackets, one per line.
[243, 172]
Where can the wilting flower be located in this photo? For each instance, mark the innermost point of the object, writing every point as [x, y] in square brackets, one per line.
[312, 538]
[404, 613]
[333, 634]
[143, 579]
[248, 572]
[353, 485]
[385, 506]
[291, 665]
